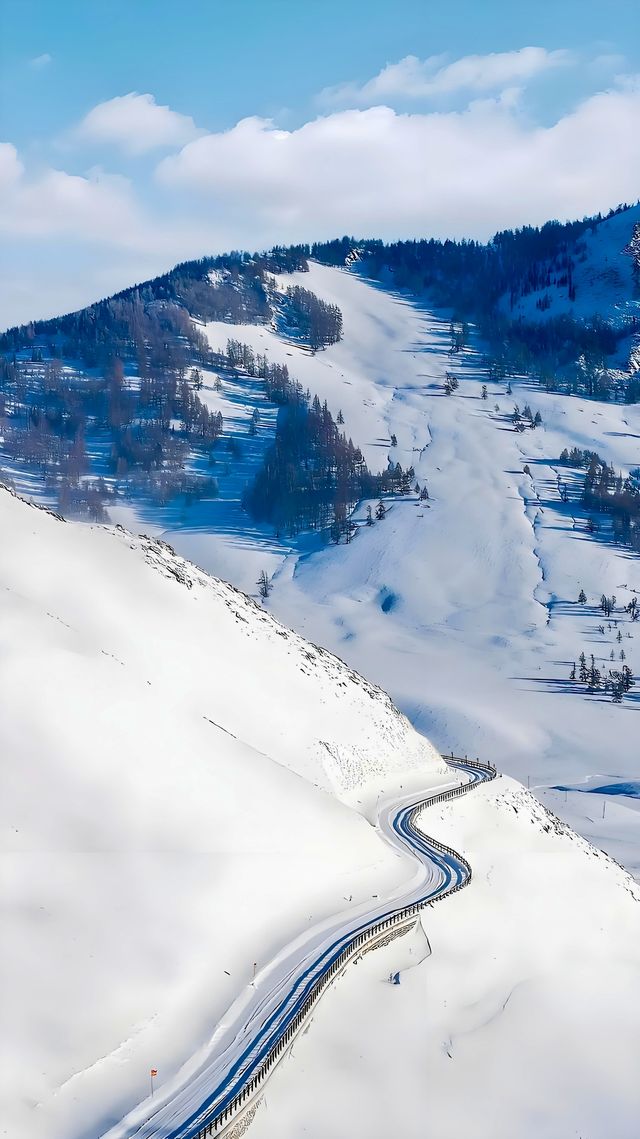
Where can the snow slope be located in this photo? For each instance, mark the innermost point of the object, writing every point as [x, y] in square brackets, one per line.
[517, 1012]
[157, 730]
[603, 277]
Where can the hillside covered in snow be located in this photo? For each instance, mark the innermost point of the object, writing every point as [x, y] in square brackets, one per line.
[597, 277]
[192, 793]
[176, 772]
[189, 784]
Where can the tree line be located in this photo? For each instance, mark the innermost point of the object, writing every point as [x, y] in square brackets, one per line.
[316, 321]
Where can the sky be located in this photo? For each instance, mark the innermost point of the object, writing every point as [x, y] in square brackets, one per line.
[133, 136]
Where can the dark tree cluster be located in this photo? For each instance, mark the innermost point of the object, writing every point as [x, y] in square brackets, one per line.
[281, 389]
[468, 276]
[613, 682]
[61, 423]
[525, 419]
[135, 327]
[119, 381]
[84, 499]
[316, 321]
[312, 475]
[577, 457]
[606, 492]
[562, 353]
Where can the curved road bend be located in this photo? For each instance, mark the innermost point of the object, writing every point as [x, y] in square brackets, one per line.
[260, 1024]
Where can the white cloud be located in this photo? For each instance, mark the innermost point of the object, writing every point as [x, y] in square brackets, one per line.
[11, 168]
[136, 123]
[40, 61]
[413, 78]
[377, 172]
[98, 207]
[371, 171]
[68, 239]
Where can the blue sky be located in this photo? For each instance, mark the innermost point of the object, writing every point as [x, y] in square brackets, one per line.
[135, 134]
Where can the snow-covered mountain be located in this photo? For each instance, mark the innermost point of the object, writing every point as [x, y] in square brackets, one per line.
[188, 783]
[186, 786]
[464, 607]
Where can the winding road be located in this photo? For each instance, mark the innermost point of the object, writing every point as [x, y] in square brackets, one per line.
[260, 1026]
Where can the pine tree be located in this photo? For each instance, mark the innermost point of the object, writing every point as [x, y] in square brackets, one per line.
[265, 585]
